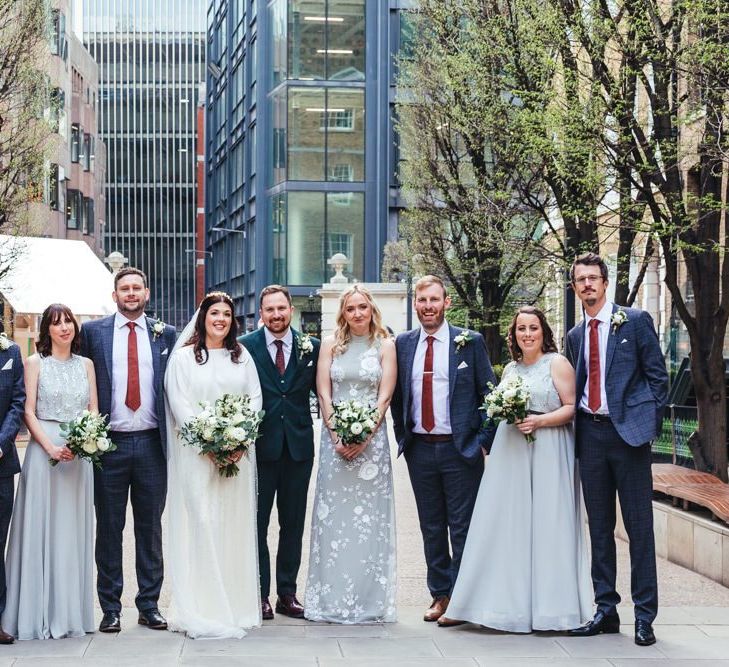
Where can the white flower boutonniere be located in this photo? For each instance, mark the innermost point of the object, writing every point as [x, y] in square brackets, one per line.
[618, 318]
[462, 339]
[5, 342]
[305, 345]
[158, 328]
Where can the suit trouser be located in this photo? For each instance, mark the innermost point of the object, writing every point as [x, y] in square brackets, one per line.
[138, 466]
[609, 465]
[287, 481]
[7, 492]
[445, 487]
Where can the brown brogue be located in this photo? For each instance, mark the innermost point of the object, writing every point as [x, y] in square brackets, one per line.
[266, 610]
[437, 609]
[445, 622]
[289, 606]
[5, 638]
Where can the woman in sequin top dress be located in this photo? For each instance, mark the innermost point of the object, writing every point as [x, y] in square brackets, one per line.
[50, 552]
[352, 560]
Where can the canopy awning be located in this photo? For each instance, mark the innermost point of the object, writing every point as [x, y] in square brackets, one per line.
[45, 271]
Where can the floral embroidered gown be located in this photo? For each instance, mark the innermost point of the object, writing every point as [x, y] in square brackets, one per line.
[352, 564]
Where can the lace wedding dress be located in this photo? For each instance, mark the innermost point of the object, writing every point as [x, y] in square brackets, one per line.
[212, 558]
[352, 564]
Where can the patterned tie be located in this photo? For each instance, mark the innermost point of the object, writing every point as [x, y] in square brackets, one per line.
[133, 399]
[593, 388]
[428, 418]
[280, 361]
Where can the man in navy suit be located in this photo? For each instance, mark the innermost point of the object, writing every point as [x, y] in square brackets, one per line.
[130, 353]
[443, 375]
[622, 387]
[12, 406]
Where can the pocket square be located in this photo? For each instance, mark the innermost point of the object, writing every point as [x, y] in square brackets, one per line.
[311, 363]
[625, 340]
[463, 364]
[165, 351]
[8, 365]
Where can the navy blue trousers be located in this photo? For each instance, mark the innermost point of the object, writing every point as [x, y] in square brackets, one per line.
[445, 487]
[138, 469]
[7, 491]
[608, 465]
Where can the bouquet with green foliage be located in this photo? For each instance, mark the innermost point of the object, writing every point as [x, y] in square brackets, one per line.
[87, 437]
[508, 402]
[227, 426]
[353, 422]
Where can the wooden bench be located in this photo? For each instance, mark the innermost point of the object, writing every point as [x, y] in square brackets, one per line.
[686, 486]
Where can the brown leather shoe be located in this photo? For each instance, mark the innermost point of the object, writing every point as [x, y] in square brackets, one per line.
[437, 609]
[5, 638]
[445, 622]
[266, 610]
[288, 605]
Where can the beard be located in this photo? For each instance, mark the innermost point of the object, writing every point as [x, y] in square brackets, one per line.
[129, 310]
[278, 325]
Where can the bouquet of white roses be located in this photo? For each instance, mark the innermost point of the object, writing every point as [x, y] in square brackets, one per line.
[353, 422]
[87, 437]
[227, 426]
[508, 402]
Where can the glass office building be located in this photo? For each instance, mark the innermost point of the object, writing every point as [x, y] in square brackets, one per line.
[299, 142]
[151, 56]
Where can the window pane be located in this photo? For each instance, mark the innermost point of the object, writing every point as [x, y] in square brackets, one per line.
[346, 46]
[304, 234]
[278, 139]
[307, 39]
[278, 42]
[305, 134]
[345, 135]
[345, 231]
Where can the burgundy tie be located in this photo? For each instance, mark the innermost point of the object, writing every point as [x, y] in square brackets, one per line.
[280, 361]
[133, 399]
[428, 418]
[593, 388]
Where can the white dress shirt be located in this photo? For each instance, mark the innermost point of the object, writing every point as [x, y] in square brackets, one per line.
[603, 331]
[121, 417]
[288, 343]
[441, 381]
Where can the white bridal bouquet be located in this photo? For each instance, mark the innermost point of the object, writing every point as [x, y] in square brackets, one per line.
[353, 422]
[508, 402]
[87, 437]
[228, 426]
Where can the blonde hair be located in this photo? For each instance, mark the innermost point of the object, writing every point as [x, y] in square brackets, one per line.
[343, 334]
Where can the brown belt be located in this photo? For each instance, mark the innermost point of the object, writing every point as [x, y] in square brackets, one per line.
[434, 437]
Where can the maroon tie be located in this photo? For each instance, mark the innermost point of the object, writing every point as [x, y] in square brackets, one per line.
[428, 418]
[280, 361]
[593, 387]
[133, 400]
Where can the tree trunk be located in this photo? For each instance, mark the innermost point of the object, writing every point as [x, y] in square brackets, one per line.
[494, 342]
[711, 403]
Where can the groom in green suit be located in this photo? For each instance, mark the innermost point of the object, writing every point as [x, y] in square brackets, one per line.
[286, 362]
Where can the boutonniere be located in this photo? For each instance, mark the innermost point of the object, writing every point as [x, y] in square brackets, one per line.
[158, 328]
[305, 345]
[462, 339]
[618, 318]
[5, 342]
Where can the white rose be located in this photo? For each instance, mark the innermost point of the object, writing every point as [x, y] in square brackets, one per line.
[356, 428]
[207, 433]
[89, 446]
[369, 424]
[102, 444]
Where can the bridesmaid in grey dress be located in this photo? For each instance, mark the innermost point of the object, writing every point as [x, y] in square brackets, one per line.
[525, 563]
[352, 563]
[50, 553]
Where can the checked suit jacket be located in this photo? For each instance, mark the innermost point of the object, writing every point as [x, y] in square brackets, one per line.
[12, 407]
[636, 380]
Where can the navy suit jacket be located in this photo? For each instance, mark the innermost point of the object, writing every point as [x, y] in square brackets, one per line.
[97, 342]
[285, 399]
[12, 407]
[636, 380]
[469, 371]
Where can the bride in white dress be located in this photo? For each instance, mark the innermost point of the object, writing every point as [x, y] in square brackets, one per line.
[525, 564]
[212, 558]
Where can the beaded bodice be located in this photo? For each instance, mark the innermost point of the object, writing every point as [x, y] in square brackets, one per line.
[63, 389]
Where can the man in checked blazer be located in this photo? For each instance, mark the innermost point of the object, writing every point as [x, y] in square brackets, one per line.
[622, 388]
[439, 428]
[130, 353]
[12, 406]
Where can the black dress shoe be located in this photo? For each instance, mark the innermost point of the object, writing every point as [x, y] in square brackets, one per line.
[644, 633]
[266, 610]
[152, 619]
[111, 622]
[601, 623]
[289, 606]
[5, 638]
